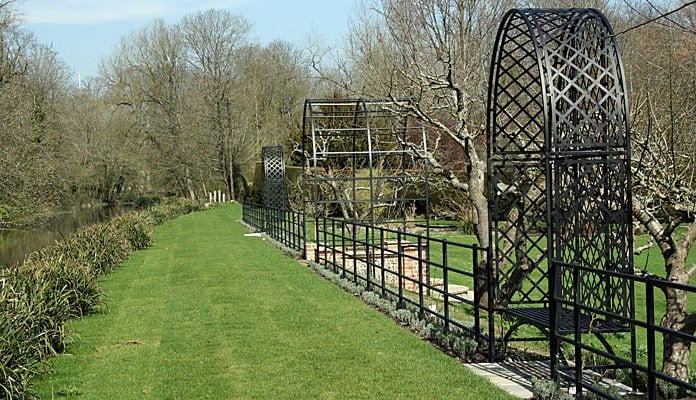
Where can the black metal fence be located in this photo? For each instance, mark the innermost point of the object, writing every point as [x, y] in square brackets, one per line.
[283, 225]
[435, 276]
[656, 333]
[641, 369]
[438, 278]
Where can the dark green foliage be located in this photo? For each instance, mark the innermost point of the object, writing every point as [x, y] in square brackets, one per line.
[169, 209]
[145, 201]
[60, 282]
[21, 339]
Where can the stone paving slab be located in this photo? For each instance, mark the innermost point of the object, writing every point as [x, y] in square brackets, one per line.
[513, 377]
[460, 290]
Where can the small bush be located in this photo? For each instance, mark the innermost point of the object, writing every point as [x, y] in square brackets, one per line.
[31, 328]
[468, 227]
[101, 247]
[546, 389]
[456, 343]
[171, 209]
[77, 283]
[146, 201]
[669, 390]
[136, 227]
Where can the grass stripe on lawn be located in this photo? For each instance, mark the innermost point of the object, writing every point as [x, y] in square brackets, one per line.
[207, 313]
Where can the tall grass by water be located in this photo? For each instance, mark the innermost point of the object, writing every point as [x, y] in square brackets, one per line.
[59, 283]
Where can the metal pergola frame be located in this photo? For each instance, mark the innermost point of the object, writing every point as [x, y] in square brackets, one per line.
[559, 182]
[358, 161]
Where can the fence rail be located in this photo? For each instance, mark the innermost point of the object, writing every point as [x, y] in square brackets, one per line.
[435, 276]
[656, 331]
[643, 365]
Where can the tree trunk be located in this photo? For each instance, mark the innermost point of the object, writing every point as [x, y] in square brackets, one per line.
[477, 188]
[230, 176]
[676, 350]
[190, 188]
[230, 184]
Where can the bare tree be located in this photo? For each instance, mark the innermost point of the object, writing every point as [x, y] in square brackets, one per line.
[33, 82]
[663, 79]
[214, 39]
[13, 42]
[204, 99]
[147, 76]
[105, 161]
[274, 86]
[437, 51]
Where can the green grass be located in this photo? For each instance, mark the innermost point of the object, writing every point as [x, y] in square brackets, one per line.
[207, 313]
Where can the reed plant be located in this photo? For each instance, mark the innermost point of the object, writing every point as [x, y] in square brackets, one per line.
[170, 209]
[136, 227]
[61, 282]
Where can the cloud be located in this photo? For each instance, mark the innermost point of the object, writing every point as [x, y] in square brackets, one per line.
[95, 11]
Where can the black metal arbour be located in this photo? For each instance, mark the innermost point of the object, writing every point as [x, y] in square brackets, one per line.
[559, 182]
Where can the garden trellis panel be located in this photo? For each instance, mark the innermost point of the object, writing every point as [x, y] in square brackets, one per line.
[274, 188]
[559, 182]
[358, 161]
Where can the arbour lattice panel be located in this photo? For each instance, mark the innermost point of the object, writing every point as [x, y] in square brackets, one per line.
[559, 175]
[274, 190]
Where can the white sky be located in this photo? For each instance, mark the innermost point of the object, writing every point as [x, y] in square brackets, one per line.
[85, 31]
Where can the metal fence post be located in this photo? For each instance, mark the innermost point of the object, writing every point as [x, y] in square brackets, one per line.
[421, 299]
[400, 268]
[445, 285]
[650, 317]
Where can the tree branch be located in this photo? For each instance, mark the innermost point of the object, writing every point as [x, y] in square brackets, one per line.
[692, 270]
[653, 226]
[687, 240]
[641, 249]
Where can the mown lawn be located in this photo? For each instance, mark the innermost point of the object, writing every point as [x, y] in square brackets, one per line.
[208, 313]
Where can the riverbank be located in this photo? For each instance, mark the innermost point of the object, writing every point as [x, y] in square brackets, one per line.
[209, 313]
[46, 217]
[20, 241]
[61, 282]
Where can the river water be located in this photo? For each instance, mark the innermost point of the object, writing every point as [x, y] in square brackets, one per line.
[15, 245]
